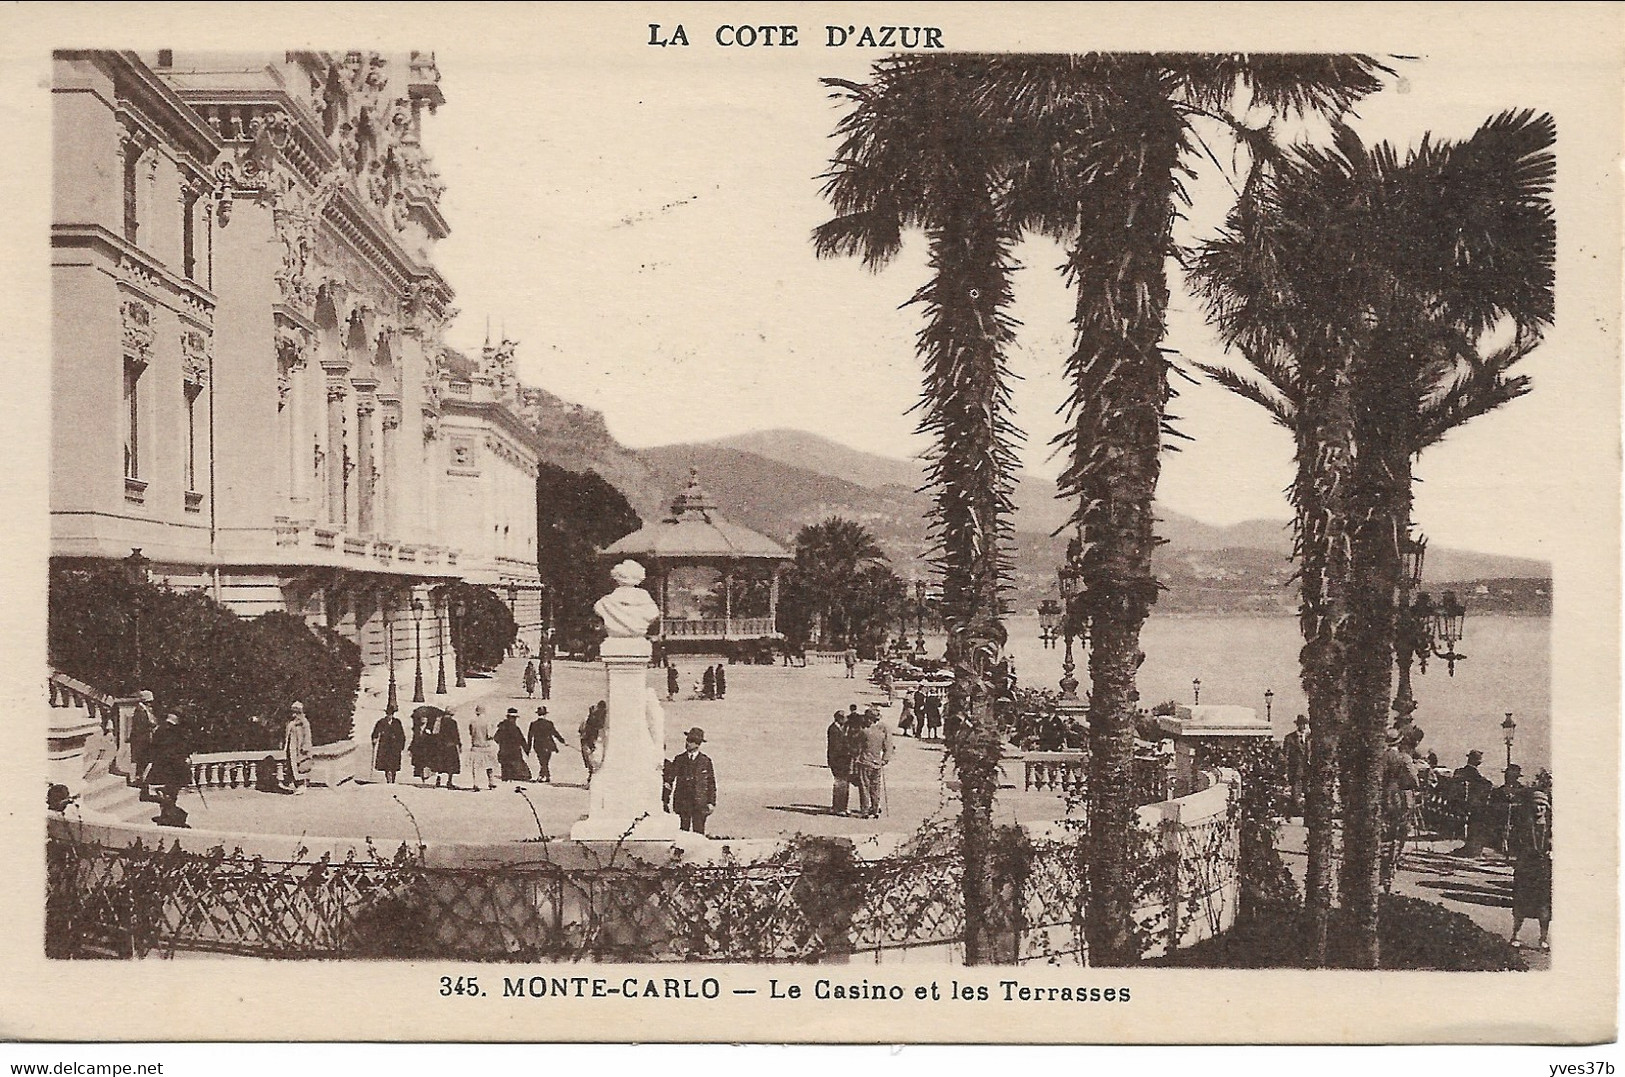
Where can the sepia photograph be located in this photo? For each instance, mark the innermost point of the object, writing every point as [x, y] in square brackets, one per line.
[707, 513]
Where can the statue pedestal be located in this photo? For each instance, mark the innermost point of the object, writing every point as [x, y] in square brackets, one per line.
[623, 799]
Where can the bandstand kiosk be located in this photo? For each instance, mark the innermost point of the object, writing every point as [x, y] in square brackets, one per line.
[686, 555]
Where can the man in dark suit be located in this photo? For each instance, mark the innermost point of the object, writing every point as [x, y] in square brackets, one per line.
[691, 784]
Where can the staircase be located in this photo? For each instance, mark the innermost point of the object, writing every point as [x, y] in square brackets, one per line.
[82, 749]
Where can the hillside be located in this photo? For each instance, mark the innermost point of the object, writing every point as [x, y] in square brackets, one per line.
[777, 481]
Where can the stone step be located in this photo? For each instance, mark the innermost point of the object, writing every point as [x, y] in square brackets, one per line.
[111, 796]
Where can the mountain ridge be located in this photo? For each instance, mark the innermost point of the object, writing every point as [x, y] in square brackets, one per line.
[776, 481]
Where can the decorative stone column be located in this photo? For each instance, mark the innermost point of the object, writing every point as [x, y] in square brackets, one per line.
[388, 506]
[623, 798]
[366, 466]
[336, 456]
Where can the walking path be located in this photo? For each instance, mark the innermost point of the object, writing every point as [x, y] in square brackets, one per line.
[1480, 888]
[767, 739]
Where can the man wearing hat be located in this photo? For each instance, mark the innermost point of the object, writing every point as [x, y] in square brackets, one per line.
[544, 740]
[1474, 789]
[1295, 747]
[691, 783]
[169, 769]
[139, 733]
[874, 752]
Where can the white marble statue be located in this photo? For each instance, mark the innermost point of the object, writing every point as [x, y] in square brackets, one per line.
[627, 611]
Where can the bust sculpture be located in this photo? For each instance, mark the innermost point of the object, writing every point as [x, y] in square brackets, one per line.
[627, 611]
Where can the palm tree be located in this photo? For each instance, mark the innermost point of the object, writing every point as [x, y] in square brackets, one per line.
[829, 559]
[1102, 143]
[917, 152]
[1366, 291]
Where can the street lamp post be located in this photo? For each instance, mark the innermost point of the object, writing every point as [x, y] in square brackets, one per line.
[513, 610]
[1049, 622]
[1423, 628]
[458, 609]
[1070, 579]
[440, 643]
[1196, 691]
[393, 704]
[919, 616]
[417, 633]
[1508, 728]
[1269, 700]
[136, 567]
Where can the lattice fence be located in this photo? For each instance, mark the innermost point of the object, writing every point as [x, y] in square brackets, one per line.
[139, 901]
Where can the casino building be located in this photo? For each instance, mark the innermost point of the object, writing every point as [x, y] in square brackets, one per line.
[249, 379]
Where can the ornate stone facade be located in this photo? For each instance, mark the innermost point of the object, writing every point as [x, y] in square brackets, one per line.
[331, 488]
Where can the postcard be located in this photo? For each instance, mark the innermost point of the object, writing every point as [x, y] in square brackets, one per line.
[1044, 524]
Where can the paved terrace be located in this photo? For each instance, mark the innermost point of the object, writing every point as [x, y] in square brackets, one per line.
[766, 738]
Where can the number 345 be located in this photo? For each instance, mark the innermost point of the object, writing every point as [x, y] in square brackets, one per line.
[461, 985]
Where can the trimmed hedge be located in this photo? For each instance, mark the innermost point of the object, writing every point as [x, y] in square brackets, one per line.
[231, 679]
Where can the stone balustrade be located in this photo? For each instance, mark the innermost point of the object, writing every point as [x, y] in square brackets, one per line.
[307, 540]
[235, 770]
[1061, 772]
[717, 628]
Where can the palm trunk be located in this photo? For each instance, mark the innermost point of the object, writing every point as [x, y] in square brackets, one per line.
[1120, 394]
[1380, 491]
[1324, 435]
[967, 408]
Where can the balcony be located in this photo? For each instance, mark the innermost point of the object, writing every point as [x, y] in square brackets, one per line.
[303, 542]
[719, 628]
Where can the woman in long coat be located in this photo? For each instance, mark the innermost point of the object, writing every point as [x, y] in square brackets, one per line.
[388, 738]
[422, 746]
[529, 679]
[448, 750]
[510, 741]
[1529, 840]
[297, 747]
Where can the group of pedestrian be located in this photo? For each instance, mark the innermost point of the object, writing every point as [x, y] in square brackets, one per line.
[713, 683]
[163, 765]
[538, 677]
[438, 747]
[857, 752]
[161, 756]
[921, 716]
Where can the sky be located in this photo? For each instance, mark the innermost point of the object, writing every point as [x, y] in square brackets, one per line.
[638, 219]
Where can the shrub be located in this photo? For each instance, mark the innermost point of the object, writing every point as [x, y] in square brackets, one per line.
[486, 629]
[1412, 934]
[230, 678]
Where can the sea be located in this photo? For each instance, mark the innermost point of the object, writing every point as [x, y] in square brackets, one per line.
[1237, 658]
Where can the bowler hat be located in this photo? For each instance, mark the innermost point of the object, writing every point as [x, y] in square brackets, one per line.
[513, 712]
[541, 710]
[697, 735]
[1301, 720]
[1475, 756]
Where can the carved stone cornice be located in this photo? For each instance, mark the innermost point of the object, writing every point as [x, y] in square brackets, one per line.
[136, 269]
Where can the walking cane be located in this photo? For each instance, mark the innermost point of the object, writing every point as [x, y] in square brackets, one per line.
[198, 786]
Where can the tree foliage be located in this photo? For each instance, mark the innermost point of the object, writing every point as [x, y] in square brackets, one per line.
[839, 590]
[1092, 150]
[485, 628]
[578, 514]
[218, 671]
[1382, 299]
